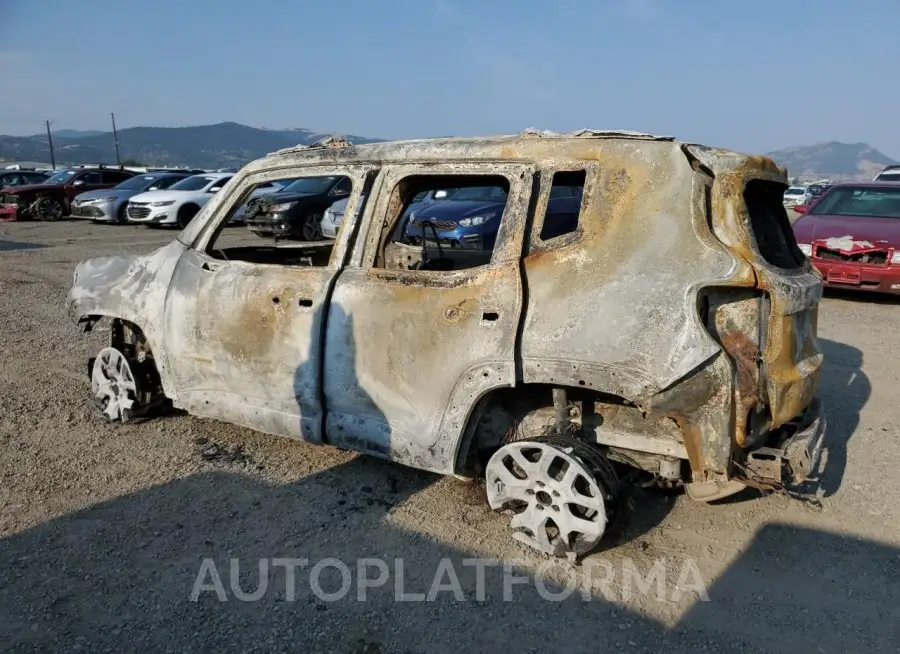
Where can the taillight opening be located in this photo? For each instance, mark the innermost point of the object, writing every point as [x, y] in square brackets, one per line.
[770, 227]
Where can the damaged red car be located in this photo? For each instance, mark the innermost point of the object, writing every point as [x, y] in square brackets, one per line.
[51, 199]
[852, 236]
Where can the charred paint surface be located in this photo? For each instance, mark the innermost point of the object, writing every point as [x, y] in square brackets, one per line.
[131, 288]
[391, 361]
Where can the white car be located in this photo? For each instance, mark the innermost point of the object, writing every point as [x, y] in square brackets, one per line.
[889, 174]
[795, 195]
[178, 204]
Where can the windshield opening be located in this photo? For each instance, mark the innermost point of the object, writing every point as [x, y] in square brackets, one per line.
[195, 183]
[860, 201]
[61, 177]
[309, 185]
[889, 177]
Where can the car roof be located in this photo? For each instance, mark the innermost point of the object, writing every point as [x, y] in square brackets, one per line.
[621, 147]
[163, 173]
[872, 185]
[213, 175]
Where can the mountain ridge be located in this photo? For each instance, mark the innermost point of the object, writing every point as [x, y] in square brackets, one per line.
[218, 145]
[832, 159]
[231, 144]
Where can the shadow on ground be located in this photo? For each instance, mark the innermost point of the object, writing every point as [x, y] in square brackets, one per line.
[119, 575]
[12, 246]
[864, 297]
[845, 389]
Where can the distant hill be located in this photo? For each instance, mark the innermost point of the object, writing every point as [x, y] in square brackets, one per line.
[74, 133]
[205, 146]
[833, 160]
[228, 145]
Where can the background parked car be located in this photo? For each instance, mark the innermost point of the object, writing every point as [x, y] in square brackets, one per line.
[10, 178]
[108, 205]
[298, 209]
[889, 174]
[852, 236]
[334, 216]
[251, 207]
[795, 195]
[51, 199]
[179, 203]
[469, 217]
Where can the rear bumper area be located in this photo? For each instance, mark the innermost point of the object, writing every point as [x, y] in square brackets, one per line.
[791, 456]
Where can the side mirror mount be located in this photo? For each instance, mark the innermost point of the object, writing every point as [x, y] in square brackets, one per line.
[78, 182]
[215, 189]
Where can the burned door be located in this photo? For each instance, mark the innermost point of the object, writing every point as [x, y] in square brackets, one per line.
[244, 320]
[423, 321]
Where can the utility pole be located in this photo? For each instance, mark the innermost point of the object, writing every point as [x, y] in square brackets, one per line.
[116, 139]
[50, 140]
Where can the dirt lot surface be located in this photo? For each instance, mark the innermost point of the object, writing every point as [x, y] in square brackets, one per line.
[103, 529]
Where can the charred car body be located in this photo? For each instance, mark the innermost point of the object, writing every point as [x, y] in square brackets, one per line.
[669, 334]
[52, 198]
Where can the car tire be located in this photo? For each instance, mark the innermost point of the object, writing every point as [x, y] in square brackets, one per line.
[49, 209]
[121, 215]
[311, 230]
[186, 214]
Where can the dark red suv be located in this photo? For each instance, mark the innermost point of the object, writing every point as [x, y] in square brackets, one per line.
[50, 200]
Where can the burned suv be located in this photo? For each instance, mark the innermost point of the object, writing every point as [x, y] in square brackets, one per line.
[666, 336]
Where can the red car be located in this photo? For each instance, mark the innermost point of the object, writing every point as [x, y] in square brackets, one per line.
[852, 236]
[50, 200]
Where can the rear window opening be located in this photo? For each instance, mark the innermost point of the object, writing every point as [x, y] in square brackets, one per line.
[564, 204]
[770, 226]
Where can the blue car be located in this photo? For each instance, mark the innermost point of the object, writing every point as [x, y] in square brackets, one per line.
[469, 218]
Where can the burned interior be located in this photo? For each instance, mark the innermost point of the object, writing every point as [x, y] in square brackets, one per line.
[559, 315]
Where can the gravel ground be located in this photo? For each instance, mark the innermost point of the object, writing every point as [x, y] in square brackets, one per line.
[103, 530]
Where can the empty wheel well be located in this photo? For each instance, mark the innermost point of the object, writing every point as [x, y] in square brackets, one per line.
[511, 414]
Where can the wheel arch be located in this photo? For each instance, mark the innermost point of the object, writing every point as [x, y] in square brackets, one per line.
[125, 333]
[187, 204]
[503, 414]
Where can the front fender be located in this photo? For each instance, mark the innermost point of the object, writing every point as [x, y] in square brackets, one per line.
[131, 288]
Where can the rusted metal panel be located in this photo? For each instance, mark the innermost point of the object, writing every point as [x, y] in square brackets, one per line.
[248, 342]
[408, 353]
[132, 288]
[406, 360]
[399, 358]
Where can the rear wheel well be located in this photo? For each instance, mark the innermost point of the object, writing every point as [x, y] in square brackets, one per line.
[508, 414]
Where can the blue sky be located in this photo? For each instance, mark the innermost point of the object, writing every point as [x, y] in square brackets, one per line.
[754, 76]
